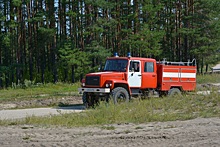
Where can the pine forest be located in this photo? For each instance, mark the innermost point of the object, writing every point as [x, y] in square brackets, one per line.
[61, 40]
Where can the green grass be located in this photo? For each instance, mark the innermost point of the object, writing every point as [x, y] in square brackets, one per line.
[208, 78]
[136, 111]
[38, 91]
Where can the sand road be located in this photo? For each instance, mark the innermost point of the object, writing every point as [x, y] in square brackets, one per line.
[23, 113]
[200, 132]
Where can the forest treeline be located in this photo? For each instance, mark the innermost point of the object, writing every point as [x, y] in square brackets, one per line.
[61, 40]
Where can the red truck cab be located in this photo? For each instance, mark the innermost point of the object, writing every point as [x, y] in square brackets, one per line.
[123, 77]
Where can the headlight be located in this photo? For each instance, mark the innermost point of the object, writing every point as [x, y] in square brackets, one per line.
[108, 85]
[83, 82]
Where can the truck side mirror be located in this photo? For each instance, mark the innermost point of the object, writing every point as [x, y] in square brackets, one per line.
[100, 67]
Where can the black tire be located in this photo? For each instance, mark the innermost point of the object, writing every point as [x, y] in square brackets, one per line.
[120, 94]
[85, 100]
[174, 92]
[90, 101]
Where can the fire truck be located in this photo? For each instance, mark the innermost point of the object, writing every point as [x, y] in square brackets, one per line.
[123, 78]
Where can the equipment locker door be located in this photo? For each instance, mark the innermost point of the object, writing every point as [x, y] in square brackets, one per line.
[134, 73]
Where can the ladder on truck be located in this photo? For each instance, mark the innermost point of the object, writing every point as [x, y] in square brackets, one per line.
[188, 63]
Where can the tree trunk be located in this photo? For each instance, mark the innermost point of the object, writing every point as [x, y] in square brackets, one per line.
[30, 44]
[73, 74]
[52, 45]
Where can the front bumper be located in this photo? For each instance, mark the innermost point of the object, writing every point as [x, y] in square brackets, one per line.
[95, 90]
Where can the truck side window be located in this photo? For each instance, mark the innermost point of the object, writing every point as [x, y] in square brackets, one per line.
[149, 67]
[134, 65]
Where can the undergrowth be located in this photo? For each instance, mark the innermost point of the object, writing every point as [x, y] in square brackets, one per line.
[208, 78]
[39, 91]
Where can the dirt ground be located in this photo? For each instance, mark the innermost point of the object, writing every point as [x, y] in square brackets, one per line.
[41, 102]
[197, 132]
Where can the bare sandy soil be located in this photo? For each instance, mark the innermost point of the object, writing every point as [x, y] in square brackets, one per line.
[41, 102]
[198, 132]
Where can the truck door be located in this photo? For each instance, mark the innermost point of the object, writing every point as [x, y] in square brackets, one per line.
[149, 75]
[134, 73]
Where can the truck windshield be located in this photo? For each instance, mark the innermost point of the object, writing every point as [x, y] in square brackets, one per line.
[116, 65]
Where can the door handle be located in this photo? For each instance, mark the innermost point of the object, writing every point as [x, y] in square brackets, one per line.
[153, 75]
[139, 75]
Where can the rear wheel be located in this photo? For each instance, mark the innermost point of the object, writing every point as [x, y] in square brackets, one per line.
[120, 94]
[174, 92]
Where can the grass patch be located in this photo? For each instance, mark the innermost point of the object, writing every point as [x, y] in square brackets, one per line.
[39, 91]
[26, 138]
[139, 128]
[208, 78]
[136, 111]
[108, 127]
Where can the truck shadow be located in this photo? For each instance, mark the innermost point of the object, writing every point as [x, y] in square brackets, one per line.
[71, 107]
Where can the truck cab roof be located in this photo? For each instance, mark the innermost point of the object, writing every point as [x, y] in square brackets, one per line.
[132, 58]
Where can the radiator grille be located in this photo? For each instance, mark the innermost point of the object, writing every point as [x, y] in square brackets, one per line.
[93, 80]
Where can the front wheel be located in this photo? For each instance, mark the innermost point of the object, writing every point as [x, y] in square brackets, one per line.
[120, 94]
[85, 99]
[89, 100]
